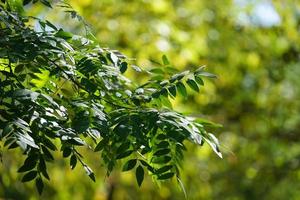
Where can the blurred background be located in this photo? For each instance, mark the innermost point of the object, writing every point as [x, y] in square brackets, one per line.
[254, 48]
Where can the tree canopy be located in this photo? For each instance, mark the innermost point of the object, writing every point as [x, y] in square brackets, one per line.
[64, 92]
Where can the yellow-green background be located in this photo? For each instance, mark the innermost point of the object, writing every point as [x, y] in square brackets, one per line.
[256, 97]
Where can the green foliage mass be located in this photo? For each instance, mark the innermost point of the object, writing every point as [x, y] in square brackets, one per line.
[62, 92]
[256, 97]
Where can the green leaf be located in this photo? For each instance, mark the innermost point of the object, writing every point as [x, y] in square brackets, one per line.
[67, 152]
[39, 185]
[76, 141]
[165, 101]
[200, 69]
[43, 168]
[193, 85]
[114, 58]
[25, 138]
[199, 80]
[73, 161]
[139, 174]
[156, 71]
[163, 169]
[149, 167]
[214, 144]
[89, 172]
[63, 34]
[182, 187]
[47, 154]
[25, 94]
[165, 60]
[125, 154]
[28, 165]
[162, 152]
[7, 130]
[130, 164]
[51, 25]
[166, 176]
[125, 146]
[49, 144]
[172, 90]
[101, 145]
[136, 68]
[29, 176]
[164, 92]
[206, 74]
[123, 67]
[163, 144]
[19, 68]
[161, 137]
[181, 89]
[178, 77]
[161, 159]
[16, 5]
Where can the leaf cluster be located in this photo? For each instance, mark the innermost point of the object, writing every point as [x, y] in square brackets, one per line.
[61, 92]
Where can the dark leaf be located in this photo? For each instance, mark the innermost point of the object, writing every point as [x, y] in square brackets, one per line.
[181, 89]
[130, 164]
[101, 145]
[43, 168]
[19, 68]
[164, 169]
[49, 144]
[73, 161]
[125, 146]
[162, 152]
[28, 165]
[163, 144]
[199, 80]
[7, 130]
[172, 90]
[164, 92]
[76, 141]
[67, 152]
[139, 174]
[125, 154]
[51, 25]
[29, 176]
[39, 185]
[193, 85]
[13, 145]
[123, 67]
[149, 167]
[161, 159]
[166, 176]
[47, 154]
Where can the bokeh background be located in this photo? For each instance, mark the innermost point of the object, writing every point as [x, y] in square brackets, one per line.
[254, 48]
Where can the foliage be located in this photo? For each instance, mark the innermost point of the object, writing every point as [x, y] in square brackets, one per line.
[61, 91]
[256, 98]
